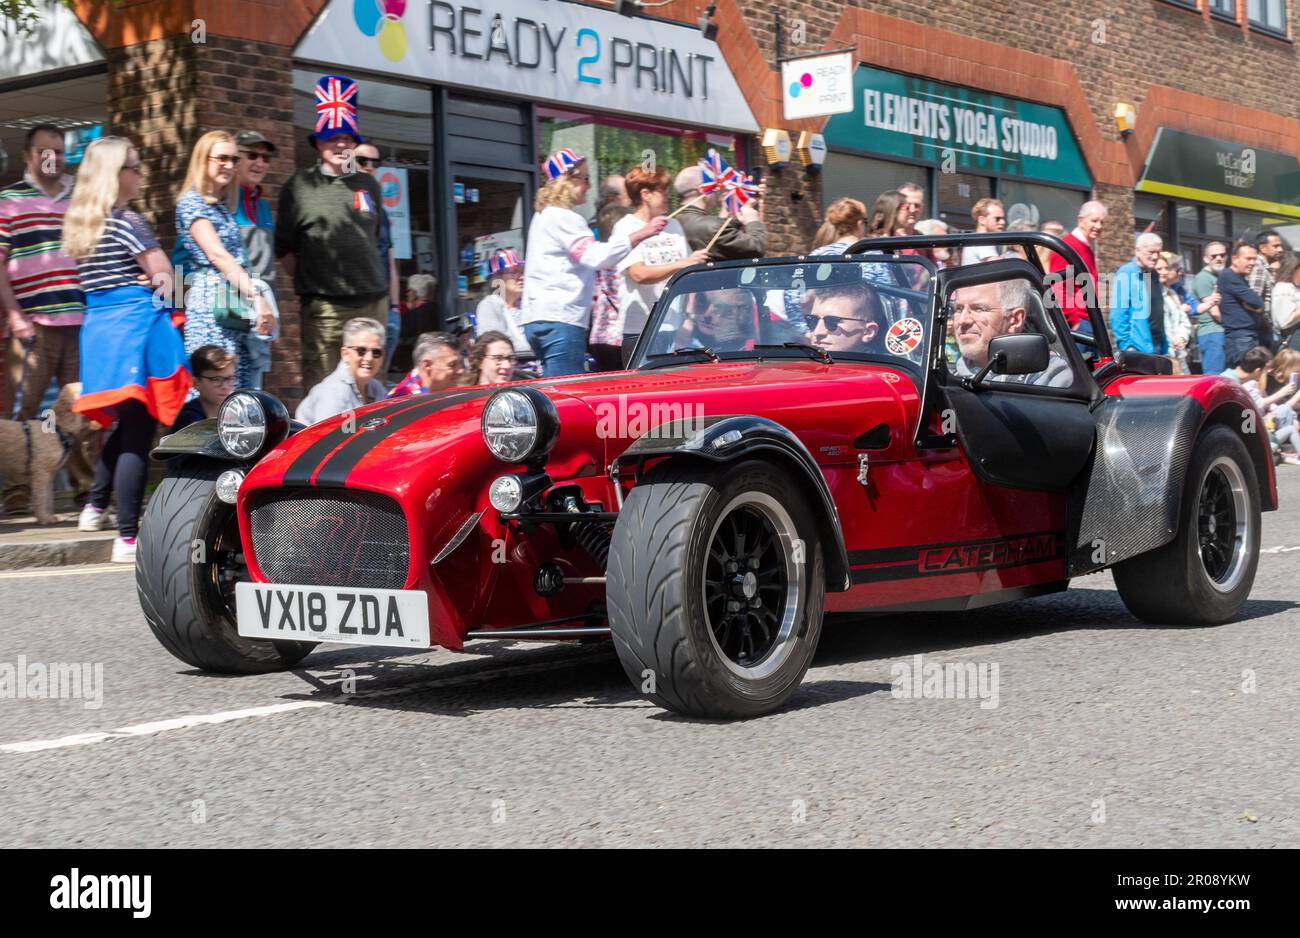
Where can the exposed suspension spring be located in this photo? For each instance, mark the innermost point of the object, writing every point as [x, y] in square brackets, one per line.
[594, 538]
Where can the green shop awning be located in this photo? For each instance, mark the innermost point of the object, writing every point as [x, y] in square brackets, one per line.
[1206, 169]
[957, 128]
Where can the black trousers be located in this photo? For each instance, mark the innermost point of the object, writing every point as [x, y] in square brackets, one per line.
[124, 465]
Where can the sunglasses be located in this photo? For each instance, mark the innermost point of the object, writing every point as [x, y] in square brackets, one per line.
[725, 309]
[1216, 257]
[255, 156]
[362, 351]
[832, 322]
[367, 161]
[226, 160]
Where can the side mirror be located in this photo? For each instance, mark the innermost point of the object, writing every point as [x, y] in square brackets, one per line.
[1025, 354]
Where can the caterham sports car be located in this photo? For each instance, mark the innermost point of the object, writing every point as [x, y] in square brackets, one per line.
[792, 437]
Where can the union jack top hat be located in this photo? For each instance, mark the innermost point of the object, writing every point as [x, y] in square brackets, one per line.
[561, 162]
[336, 108]
[503, 260]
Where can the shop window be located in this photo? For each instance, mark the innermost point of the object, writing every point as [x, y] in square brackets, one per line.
[77, 106]
[862, 178]
[1269, 15]
[1037, 204]
[1216, 223]
[958, 193]
[613, 146]
[1151, 215]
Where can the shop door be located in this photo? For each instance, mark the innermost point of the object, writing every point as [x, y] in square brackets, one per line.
[492, 210]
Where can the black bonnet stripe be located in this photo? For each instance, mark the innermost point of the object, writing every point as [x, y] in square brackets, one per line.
[301, 469]
[340, 465]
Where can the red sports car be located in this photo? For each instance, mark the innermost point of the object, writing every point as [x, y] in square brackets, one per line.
[793, 436]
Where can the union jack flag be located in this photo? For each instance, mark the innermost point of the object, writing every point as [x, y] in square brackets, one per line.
[336, 105]
[740, 189]
[717, 175]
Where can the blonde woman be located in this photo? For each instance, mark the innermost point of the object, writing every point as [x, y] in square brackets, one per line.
[133, 365]
[218, 275]
[562, 259]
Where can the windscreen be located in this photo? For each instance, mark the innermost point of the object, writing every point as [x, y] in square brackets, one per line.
[846, 308]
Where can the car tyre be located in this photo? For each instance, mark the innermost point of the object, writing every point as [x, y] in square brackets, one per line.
[188, 558]
[715, 588]
[1204, 575]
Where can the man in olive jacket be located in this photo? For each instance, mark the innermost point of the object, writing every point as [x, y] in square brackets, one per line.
[745, 236]
[327, 234]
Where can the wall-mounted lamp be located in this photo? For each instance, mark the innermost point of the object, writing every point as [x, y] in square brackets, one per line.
[1125, 118]
[776, 147]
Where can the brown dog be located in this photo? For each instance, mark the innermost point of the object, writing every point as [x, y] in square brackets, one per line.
[33, 451]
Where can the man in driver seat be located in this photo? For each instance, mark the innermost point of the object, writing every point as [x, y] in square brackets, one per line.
[982, 313]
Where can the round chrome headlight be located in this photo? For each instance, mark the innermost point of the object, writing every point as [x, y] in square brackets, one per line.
[242, 425]
[520, 424]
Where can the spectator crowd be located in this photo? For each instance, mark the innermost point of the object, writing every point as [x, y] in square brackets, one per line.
[157, 341]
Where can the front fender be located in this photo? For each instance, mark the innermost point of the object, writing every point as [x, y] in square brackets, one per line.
[726, 438]
[197, 439]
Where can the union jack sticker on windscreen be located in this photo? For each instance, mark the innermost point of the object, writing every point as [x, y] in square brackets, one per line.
[904, 336]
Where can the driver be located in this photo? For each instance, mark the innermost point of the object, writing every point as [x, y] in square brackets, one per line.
[982, 313]
[721, 320]
[845, 318]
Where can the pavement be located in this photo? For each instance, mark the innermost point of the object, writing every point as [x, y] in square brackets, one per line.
[1106, 733]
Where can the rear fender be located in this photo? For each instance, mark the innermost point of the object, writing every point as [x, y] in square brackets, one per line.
[1130, 498]
[724, 439]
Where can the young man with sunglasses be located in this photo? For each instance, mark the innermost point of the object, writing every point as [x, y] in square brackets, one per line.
[354, 383]
[1209, 330]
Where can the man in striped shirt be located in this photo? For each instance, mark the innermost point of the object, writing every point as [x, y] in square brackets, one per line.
[40, 291]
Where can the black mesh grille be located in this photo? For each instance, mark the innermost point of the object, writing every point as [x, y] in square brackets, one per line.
[331, 539]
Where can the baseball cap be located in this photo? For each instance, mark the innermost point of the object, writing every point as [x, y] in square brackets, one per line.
[251, 138]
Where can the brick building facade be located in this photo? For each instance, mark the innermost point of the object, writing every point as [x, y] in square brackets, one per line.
[173, 70]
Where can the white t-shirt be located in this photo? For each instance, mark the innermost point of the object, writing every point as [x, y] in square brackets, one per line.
[562, 259]
[1286, 303]
[669, 246]
[978, 253]
[492, 315]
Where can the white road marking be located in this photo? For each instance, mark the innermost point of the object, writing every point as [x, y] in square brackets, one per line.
[67, 571]
[226, 716]
[1278, 550]
[160, 726]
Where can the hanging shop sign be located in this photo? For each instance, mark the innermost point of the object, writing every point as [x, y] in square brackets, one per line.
[572, 53]
[958, 129]
[817, 85]
[1206, 169]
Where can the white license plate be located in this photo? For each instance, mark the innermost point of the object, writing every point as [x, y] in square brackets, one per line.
[397, 618]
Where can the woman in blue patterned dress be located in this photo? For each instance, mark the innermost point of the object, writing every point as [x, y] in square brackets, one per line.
[205, 220]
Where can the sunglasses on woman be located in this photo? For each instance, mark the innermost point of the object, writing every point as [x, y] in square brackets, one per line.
[367, 161]
[362, 351]
[226, 160]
